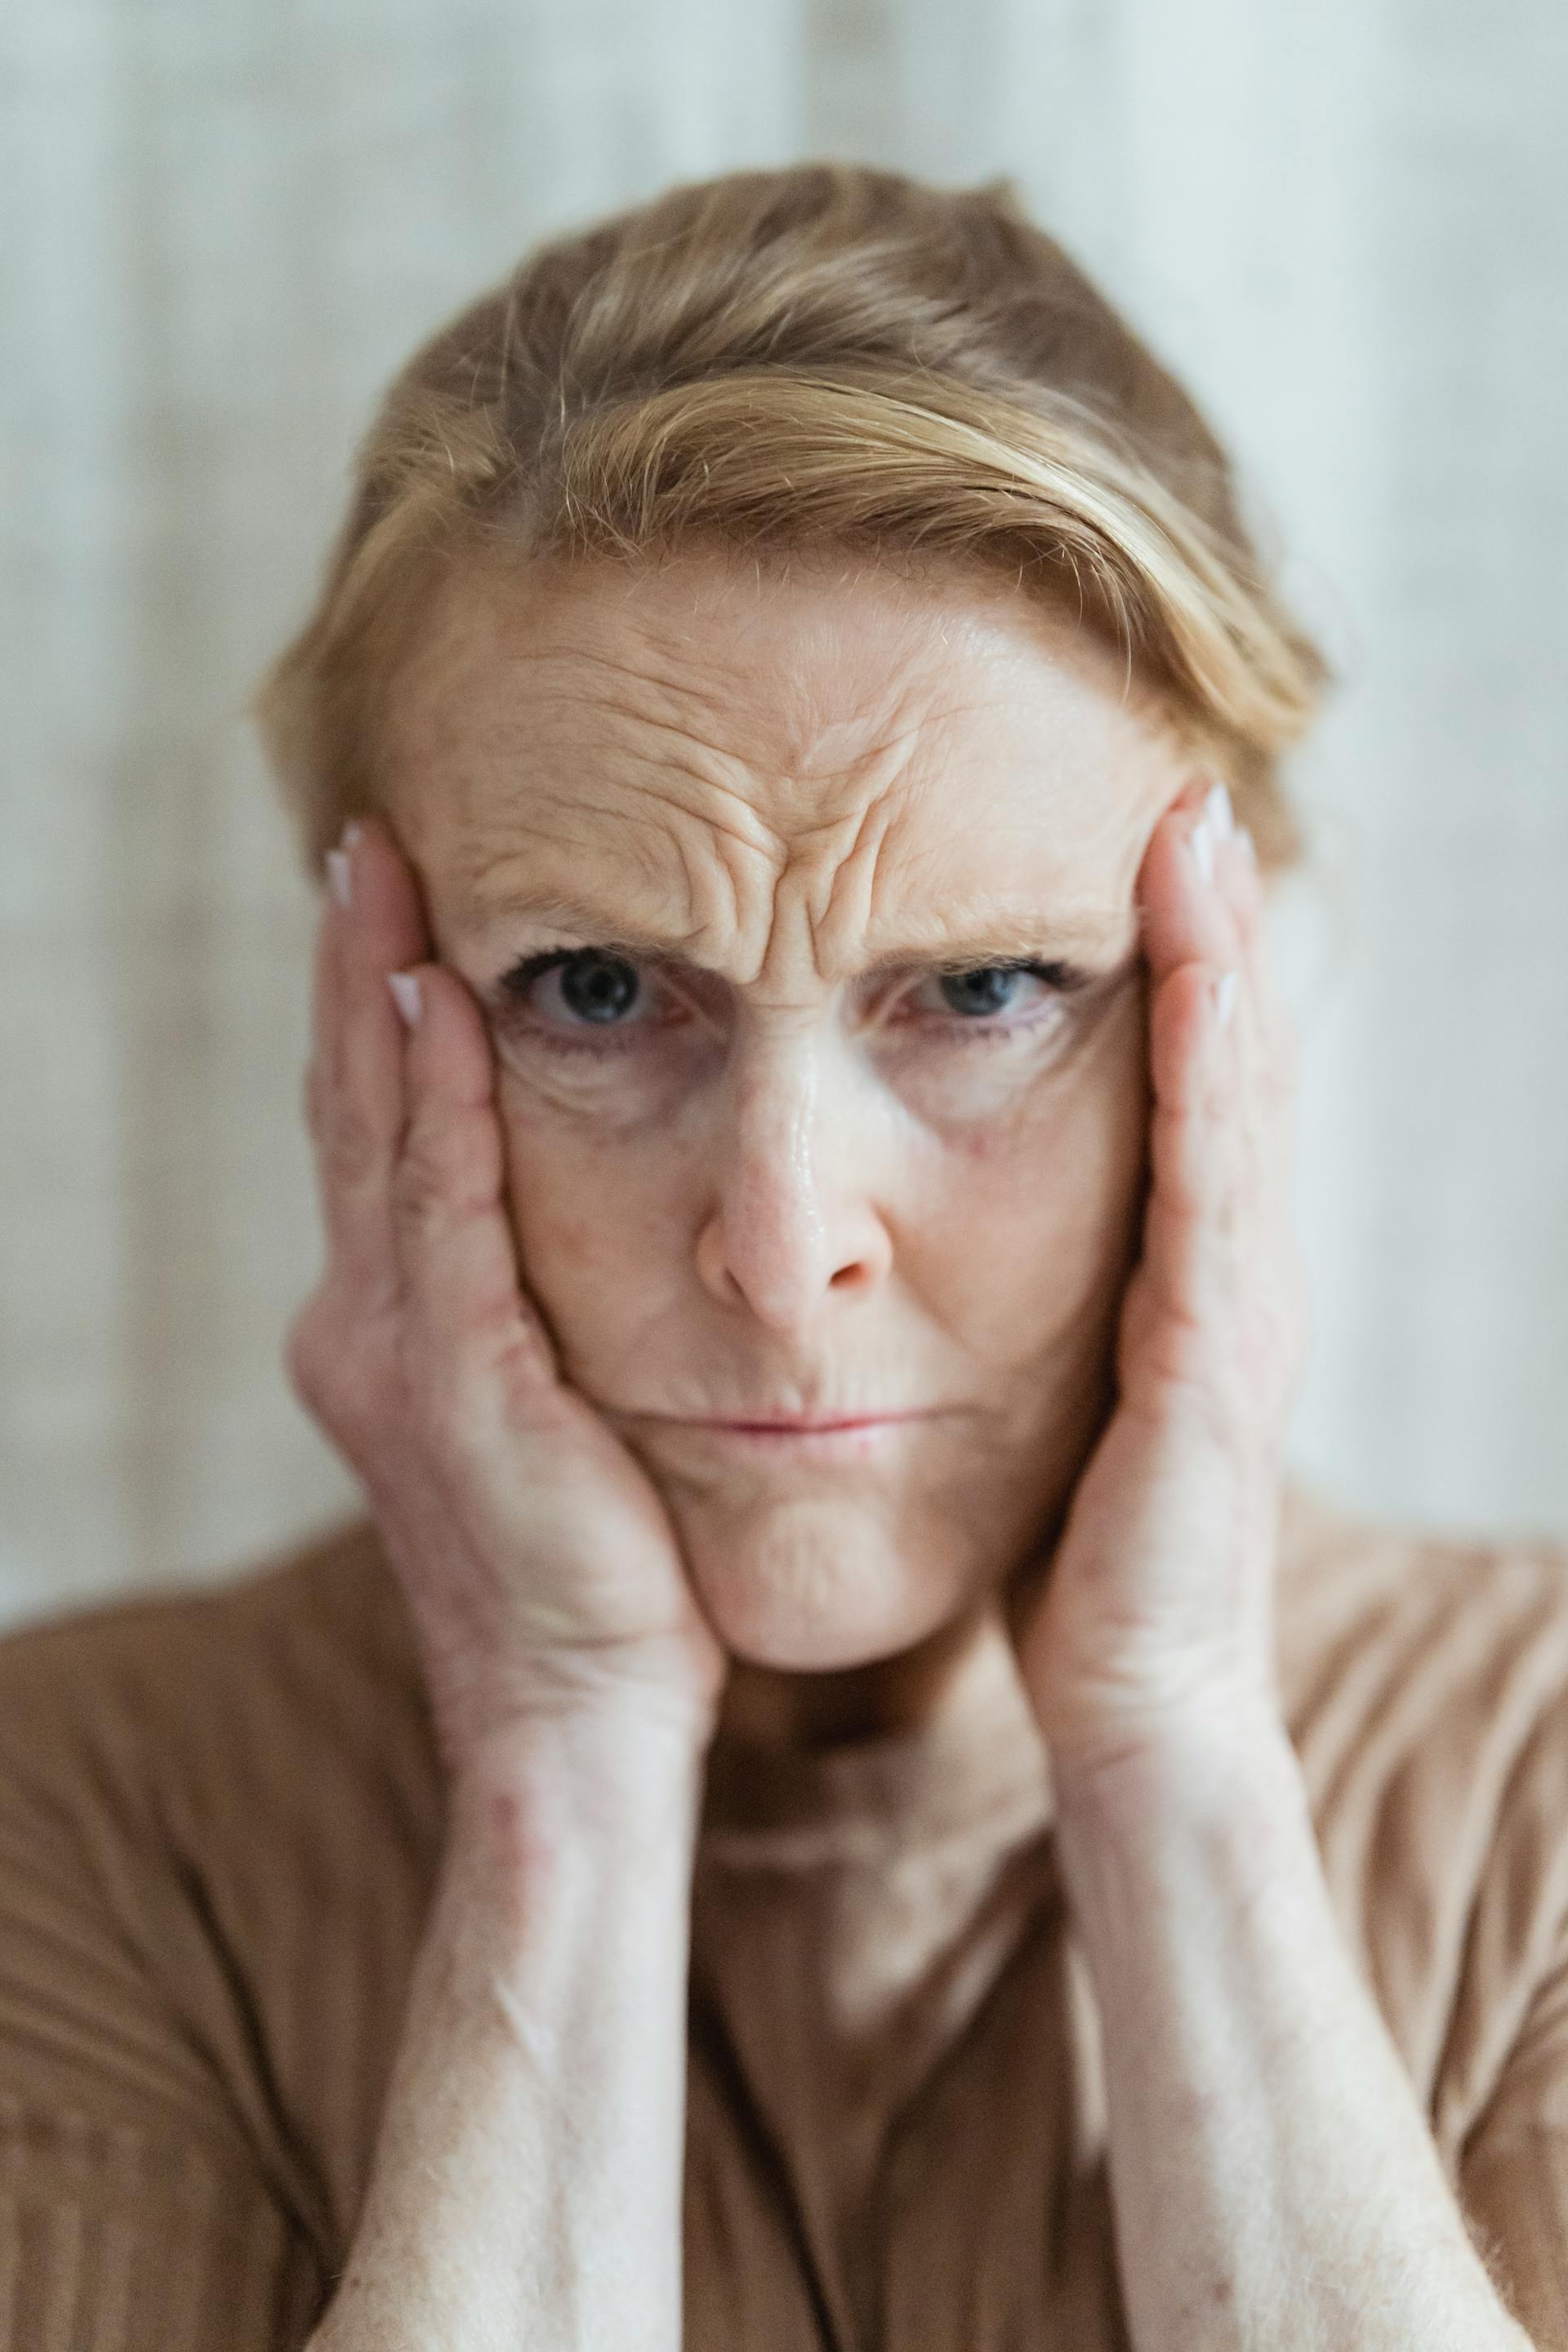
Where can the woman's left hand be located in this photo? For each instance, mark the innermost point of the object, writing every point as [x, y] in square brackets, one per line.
[1155, 1611]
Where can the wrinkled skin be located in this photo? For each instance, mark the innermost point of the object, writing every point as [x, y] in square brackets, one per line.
[777, 1181]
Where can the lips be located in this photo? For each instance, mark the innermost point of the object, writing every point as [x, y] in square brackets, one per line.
[796, 1424]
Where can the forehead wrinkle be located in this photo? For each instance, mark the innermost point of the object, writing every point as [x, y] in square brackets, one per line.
[727, 685]
[727, 679]
[703, 801]
[850, 883]
[646, 697]
[665, 780]
[975, 932]
[744, 918]
[492, 847]
[689, 837]
[687, 809]
[881, 885]
[798, 814]
[686, 742]
[634, 696]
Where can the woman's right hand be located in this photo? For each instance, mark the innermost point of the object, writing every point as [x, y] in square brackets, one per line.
[540, 1567]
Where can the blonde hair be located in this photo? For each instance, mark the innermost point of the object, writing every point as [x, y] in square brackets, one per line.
[823, 355]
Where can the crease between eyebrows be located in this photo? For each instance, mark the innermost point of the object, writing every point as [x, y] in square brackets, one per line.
[1016, 939]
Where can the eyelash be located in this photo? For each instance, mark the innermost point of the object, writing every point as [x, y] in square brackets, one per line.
[1064, 979]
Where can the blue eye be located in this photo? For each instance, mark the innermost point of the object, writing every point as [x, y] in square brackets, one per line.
[599, 987]
[602, 992]
[594, 986]
[986, 991]
[989, 989]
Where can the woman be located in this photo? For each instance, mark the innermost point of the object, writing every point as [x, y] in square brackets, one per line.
[834, 1799]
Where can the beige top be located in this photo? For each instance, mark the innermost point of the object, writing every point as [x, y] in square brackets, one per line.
[220, 1815]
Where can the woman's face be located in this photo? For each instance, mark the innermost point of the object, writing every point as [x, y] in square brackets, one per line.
[734, 856]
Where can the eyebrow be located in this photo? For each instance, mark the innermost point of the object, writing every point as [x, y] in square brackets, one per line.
[1007, 938]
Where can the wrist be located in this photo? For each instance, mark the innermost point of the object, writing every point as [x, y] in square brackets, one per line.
[561, 1704]
[1217, 1765]
[554, 1792]
[583, 1757]
[1206, 1832]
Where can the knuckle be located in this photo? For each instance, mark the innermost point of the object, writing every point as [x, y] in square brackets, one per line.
[308, 1355]
[419, 1180]
[443, 1177]
[350, 1150]
[335, 1365]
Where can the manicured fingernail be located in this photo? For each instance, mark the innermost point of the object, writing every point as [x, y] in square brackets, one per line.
[1225, 999]
[1200, 841]
[404, 989]
[339, 877]
[1219, 810]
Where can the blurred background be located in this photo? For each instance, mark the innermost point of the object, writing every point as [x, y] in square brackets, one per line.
[1345, 221]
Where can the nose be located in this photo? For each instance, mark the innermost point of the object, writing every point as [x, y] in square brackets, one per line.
[793, 1226]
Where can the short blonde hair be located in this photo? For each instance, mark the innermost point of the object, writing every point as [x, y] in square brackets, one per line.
[824, 355]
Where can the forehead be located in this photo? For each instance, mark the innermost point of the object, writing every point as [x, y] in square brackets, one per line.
[693, 743]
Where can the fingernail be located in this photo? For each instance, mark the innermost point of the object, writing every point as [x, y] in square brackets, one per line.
[404, 989]
[1225, 999]
[1218, 807]
[1200, 841]
[339, 877]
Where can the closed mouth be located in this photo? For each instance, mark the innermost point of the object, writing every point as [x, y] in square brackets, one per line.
[800, 1428]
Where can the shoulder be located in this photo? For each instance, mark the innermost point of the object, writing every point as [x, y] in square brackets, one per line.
[1365, 1605]
[1455, 1645]
[1425, 1678]
[219, 1821]
[260, 1678]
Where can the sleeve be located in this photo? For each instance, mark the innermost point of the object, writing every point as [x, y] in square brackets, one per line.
[134, 2214]
[1514, 2171]
[122, 2241]
[1509, 2031]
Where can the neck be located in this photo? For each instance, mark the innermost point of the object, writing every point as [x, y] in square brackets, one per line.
[769, 1707]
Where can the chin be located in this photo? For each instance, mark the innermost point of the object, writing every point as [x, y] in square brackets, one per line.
[810, 1588]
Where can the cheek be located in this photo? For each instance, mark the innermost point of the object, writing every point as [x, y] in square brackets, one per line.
[1041, 1208]
[593, 1221]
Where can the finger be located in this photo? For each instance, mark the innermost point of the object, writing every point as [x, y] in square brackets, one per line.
[1265, 1041]
[1195, 1159]
[1237, 875]
[466, 1317]
[1216, 1301]
[1203, 903]
[1186, 916]
[358, 1074]
[1185, 1349]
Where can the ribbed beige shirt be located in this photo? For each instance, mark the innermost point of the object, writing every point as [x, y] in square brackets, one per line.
[220, 1815]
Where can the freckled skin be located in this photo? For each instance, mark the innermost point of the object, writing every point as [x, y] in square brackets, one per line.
[788, 1182]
